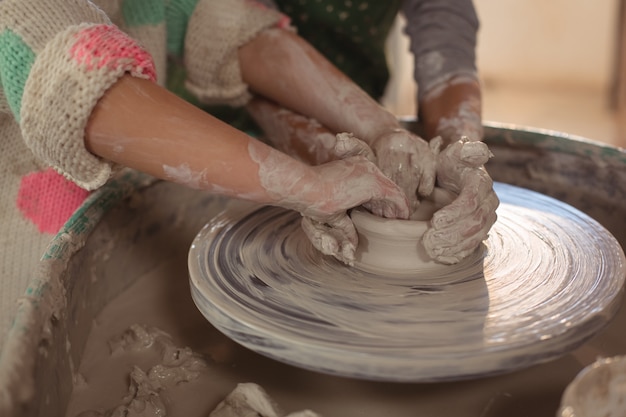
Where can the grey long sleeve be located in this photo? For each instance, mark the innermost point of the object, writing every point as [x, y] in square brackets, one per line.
[443, 39]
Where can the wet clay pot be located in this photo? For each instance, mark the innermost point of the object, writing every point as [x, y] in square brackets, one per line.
[395, 245]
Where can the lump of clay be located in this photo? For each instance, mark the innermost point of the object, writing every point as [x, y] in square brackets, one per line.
[599, 390]
[250, 400]
[146, 389]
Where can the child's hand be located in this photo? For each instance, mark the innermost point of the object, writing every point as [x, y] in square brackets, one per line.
[345, 184]
[409, 161]
[458, 228]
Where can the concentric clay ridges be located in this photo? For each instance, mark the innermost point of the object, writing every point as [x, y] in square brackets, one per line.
[546, 280]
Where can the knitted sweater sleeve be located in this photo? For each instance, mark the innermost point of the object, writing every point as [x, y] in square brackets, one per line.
[443, 39]
[205, 35]
[57, 58]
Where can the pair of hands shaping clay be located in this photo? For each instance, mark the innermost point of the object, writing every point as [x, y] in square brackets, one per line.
[415, 165]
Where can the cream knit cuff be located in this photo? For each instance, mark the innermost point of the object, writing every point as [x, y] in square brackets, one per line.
[216, 30]
[67, 79]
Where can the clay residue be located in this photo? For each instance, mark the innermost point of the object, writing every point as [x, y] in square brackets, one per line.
[175, 364]
[252, 400]
[183, 174]
[161, 297]
[148, 388]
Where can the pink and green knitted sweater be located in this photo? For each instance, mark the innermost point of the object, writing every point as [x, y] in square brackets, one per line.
[57, 58]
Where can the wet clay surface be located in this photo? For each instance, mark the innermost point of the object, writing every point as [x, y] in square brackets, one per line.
[162, 298]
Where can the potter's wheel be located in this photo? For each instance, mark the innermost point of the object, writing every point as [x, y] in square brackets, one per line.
[547, 279]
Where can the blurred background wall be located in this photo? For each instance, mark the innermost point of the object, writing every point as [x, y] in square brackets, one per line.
[549, 64]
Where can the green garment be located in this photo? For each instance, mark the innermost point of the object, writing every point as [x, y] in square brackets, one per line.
[350, 33]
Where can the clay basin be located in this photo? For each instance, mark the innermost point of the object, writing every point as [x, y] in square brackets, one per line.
[123, 231]
[395, 245]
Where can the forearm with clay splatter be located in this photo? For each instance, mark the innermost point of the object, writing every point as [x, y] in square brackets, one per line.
[443, 40]
[283, 67]
[293, 133]
[143, 126]
[453, 110]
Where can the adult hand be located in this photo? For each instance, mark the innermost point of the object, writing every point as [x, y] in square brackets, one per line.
[344, 184]
[458, 228]
[409, 161]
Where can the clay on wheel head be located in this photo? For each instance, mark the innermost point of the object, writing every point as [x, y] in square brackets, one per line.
[394, 245]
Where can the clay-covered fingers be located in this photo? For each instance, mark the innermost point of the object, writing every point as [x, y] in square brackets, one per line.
[454, 161]
[390, 206]
[342, 185]
[352, 182]
[386, 198]
[475, 188]
[455, 241]
[301, 137]
[347, 145]
[474, 154]
[335, 236]
[408, 161]
[458, 228]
